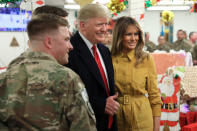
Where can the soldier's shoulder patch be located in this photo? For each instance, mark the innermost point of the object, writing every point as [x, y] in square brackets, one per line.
[84, 95]
[86, 100]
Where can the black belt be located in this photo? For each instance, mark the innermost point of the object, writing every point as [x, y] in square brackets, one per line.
[169, 106]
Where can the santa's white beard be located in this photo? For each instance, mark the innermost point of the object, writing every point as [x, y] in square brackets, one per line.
[167, 86]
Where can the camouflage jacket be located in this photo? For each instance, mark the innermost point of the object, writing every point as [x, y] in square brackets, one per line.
[182, 45]
[164, 47]
[150, 46]
[169, 44]
[194, 52]
[38, 94]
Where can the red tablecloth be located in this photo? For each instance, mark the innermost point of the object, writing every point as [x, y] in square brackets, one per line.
[188, 121]
[182, 119]
[190, 127]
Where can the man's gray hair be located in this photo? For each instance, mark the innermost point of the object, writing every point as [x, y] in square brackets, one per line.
[93, 11]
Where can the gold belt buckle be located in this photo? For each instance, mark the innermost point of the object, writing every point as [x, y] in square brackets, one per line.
[170, 106]
[126, 99]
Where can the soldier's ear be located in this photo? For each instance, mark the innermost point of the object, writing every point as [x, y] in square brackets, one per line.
[48, 42]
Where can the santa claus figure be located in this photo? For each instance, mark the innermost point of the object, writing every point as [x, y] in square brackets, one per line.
[169, 86]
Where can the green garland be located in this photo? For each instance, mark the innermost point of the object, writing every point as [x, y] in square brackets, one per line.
[9, 1]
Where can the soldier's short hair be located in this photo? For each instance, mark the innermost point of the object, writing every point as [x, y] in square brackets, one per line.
[180, 30]
[93, 11]
[191, 33]
[48, 9]
[44, 23]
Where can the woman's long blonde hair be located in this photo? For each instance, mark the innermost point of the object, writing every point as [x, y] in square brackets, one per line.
[119, 31]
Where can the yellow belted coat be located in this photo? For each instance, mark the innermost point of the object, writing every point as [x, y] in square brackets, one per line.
[139, 96]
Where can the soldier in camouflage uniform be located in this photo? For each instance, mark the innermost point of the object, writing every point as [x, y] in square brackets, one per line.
[162, 44]
[181, 43]
[37, 93]
[193, 38]
[193, 41]
[149, 45]
[194, 55]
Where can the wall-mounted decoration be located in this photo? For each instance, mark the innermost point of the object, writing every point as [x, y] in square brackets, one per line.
[14, 42]
[117, 6]
[39, 2]
[167, 19]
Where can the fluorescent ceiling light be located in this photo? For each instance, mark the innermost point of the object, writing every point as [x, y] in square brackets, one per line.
[94, 1]
[168, 8]
[101, 1]
[70, 1]
[72, 6]
[175, 2]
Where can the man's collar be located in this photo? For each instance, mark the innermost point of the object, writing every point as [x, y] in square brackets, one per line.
[87, 42]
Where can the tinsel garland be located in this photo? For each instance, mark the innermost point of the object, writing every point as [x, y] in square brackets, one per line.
[117, 6]
[149, 3]
[194, 7]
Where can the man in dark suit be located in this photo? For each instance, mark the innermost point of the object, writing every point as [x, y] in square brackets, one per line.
[98, 77]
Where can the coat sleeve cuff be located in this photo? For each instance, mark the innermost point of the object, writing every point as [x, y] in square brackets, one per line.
[156, 110]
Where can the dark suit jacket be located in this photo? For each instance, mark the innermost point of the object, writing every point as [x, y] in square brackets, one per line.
[83, 63]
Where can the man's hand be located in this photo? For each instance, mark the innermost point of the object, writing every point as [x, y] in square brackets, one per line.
[112, 105]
